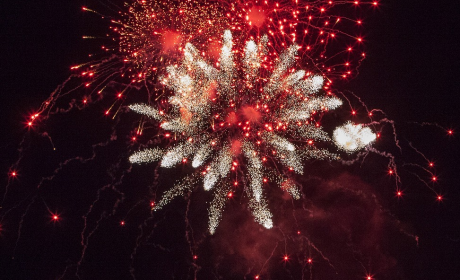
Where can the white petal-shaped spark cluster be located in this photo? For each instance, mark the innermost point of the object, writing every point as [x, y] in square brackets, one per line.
[236, 117]
[352, 137]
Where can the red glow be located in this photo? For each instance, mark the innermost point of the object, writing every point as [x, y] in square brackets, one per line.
[256, 16]
[310, 261]
[439, 197]
[434, 178]
[122, 223]
[256, 277]
[171, 40]
[231, 118]
[230, 194]
[450, 132]
[236, 147]
[286, 258]
[431, 164]
[399, 193]
[390, 172]
[13, 174]
[251, 114]
[195, 257]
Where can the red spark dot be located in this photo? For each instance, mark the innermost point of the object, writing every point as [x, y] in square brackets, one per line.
[167, 135]
[310, 261]
[184, 160]
[360, 39]
[152, 204]
[390, 172]
[450, 132]
[286, 258]
[122, 223]
[256, 277]
[134, 138]
[107, 112]
[298, 232]
[195, 257]
[370, 114]
[353, 113]
[378, 135]
[230, 194]
[399, 193]
[431, 164]
[13, 174]
[359, 22]
[29, 123]
[439, 198]
[235, 183]
[369, 278]
[119, 95]
[55, 217]
[434, 178]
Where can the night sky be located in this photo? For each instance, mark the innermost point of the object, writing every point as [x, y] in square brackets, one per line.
[411, 72]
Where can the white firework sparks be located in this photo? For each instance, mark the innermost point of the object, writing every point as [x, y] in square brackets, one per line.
[352, 137]
[233, 117]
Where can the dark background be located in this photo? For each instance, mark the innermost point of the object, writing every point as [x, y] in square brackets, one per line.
[411, 72]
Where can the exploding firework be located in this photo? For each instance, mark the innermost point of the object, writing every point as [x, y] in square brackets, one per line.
[352, 137]
[245, 112]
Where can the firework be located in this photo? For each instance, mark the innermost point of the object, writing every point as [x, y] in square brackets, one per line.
[351, 137]
[241, 112]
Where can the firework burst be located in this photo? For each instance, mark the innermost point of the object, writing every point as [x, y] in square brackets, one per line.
[244, 111]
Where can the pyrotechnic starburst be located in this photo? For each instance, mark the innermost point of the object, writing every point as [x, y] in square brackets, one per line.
[241, 112]
[236, 92]
[351, 137]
